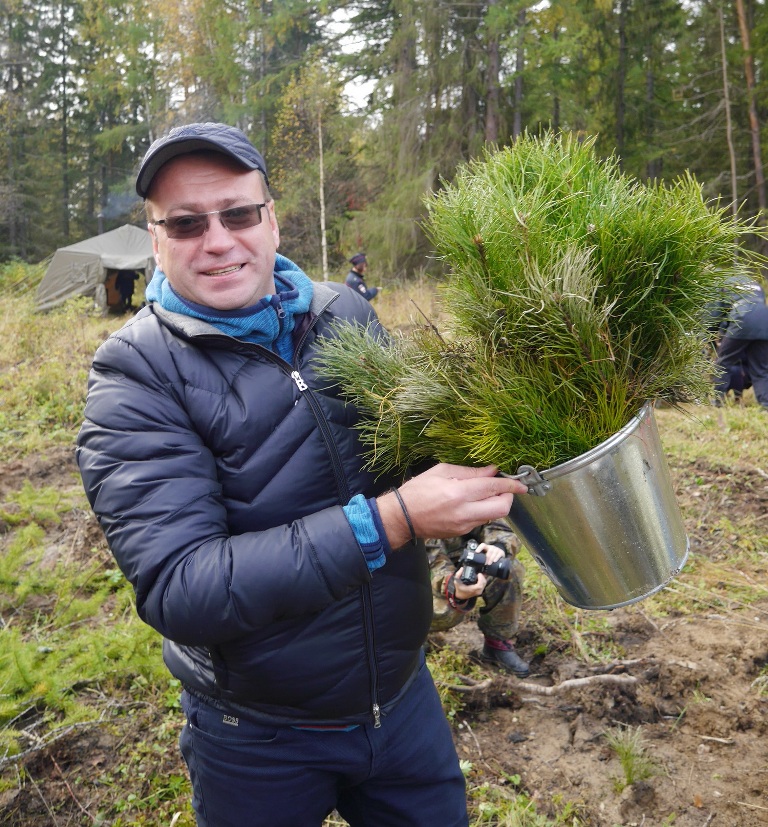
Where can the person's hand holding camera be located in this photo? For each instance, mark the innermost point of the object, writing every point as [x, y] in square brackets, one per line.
[464, 591]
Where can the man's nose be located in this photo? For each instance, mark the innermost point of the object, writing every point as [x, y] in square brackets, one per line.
[216, 235]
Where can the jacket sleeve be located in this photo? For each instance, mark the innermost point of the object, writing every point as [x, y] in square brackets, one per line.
[153, 486]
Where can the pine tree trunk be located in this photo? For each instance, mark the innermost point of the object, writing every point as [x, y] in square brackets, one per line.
[621, 76]
[517, 127]
[323, 234]
[64, 127]
[728, 122]
[492, 88]
[556, 84]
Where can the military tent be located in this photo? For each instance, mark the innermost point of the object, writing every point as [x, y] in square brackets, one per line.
[89, 267]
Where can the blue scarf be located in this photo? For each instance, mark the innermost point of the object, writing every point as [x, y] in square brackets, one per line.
[269, 322]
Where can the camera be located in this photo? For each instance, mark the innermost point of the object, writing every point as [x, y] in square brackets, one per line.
[473, 562]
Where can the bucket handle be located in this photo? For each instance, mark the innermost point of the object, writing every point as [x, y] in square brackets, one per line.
[527, 474]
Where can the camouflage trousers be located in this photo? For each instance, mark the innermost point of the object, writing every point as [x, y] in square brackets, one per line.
[498, 609]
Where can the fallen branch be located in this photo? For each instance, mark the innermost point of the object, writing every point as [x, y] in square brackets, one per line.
[467, 684]
[42, 798]
[466, 725]
[471, 685]
[574, 683]
[751, 806]
[46, 741]
[70, 790]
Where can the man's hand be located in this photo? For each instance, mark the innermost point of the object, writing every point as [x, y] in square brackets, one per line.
[447, 501]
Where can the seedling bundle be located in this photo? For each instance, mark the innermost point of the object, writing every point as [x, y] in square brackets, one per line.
[575, 294]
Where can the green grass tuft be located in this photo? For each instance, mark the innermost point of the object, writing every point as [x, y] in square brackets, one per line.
[628, 745]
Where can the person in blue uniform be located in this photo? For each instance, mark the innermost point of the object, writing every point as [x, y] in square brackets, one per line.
[742, 348]
[356, 277]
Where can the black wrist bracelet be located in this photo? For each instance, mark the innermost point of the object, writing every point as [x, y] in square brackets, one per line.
[406, 515]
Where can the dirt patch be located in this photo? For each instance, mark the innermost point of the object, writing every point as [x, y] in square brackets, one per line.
[695, 697]
[689, 681]
[703, 724]
[55, 469]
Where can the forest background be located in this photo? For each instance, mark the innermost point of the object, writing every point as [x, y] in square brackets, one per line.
[362, 107]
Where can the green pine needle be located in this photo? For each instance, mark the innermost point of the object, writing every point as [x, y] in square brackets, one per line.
[575, 294]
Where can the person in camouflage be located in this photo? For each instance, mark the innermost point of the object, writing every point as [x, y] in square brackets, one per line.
[498, 615]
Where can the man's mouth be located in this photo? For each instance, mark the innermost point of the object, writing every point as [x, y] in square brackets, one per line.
[224, 270]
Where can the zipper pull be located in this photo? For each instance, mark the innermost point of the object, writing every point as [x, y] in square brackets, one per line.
[300, 383]
[376, 716]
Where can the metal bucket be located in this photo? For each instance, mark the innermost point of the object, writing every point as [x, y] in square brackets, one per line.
[605, 526]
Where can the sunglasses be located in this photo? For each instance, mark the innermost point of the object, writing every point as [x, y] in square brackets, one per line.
[195, 224]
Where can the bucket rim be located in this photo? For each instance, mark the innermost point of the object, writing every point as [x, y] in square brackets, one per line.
[607, 445]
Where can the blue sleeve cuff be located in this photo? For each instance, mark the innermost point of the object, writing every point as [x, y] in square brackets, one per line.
[368, 530]
[374, 507]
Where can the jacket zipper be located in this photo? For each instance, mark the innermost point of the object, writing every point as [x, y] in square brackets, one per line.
[336, 464]
[369, 634]
[367, 597]
[341, 484]
[343, 489]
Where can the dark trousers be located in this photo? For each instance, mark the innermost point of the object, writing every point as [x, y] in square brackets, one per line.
[753, 353]
[403, 774]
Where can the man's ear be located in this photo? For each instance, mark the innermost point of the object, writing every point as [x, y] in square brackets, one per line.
[152, 230]
[273, 223]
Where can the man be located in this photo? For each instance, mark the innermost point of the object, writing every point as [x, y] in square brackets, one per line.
[124, 282]
[498, 616]
[287, 581]
[356, 277]
[742, 351]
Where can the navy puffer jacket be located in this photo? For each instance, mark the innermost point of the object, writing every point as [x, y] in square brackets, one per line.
[218, 472]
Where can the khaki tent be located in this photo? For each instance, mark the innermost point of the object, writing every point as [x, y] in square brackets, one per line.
[89, 267]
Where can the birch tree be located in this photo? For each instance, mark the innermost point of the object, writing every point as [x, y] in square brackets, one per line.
[311, 167]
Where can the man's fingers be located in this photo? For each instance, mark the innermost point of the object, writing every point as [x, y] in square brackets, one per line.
[482, 488]
[478, 512]
[449, 500]
[483, 481]
[461, 472]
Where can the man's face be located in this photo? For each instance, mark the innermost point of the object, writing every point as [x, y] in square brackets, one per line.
[222, 269]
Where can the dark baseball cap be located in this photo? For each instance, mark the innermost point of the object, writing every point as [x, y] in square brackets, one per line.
[358, 258]
[218, 137]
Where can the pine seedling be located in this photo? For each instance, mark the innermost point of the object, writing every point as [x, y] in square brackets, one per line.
[575, 294]
[635, 762]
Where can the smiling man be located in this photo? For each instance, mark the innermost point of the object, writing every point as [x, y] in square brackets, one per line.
[231, 264]
[289, 583]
